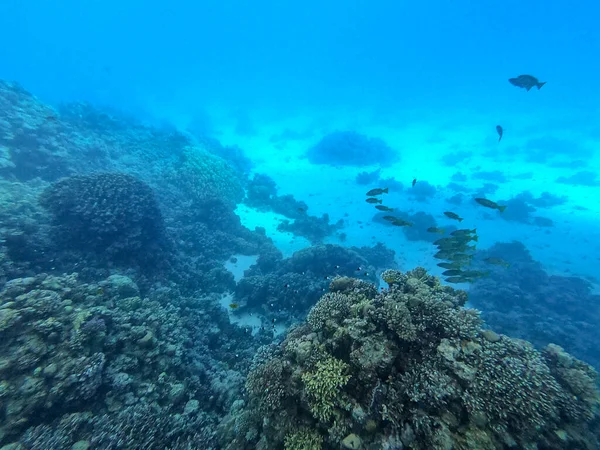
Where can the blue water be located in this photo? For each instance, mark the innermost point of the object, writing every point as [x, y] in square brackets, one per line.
[126, 86]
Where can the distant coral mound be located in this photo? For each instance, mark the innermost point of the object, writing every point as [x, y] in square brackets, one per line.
[349, 148]
[112, 213]
[202, 174]
[410, 367]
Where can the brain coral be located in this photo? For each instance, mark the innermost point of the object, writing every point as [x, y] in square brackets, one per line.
[410, 367]
[112, 213]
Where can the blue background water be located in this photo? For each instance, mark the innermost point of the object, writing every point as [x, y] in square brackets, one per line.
[379, 55]
[428, 78]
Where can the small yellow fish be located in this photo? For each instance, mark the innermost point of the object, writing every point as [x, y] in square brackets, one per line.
[234, 305]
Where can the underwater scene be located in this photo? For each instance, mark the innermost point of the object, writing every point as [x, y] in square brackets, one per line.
[270, 225]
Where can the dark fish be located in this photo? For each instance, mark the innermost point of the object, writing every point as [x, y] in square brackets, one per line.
[460, 257]
[490, 204]
[474, 274]
[414, 182]
[500, 132]
[455, 241]
[374, 200]
[401, 223]
[452, 272]
[383, 208]
[450, 265]
[463, 232]
[443, 255]
[457, 280]
[444, 241]
[457, 247]
[435, 230]
[526, 82]
[453, 216]
[377, 191]
[497, 262]
[234, 305]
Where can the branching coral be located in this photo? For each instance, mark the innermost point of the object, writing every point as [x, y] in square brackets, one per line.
[323, 387]
[303, 439]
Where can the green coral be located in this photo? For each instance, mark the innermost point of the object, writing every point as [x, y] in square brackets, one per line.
[203, 175]
[303, 439]
[323, 386]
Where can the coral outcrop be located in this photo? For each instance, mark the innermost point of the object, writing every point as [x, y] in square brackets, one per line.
[410, 367]
[112, 214]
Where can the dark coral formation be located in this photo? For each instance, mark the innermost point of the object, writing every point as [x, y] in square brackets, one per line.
[29, 147]
[314, 229]
[349, 148]
[420, 221]
[422, 191]
[366, 178]
[114, 215]
[410, 367]
[524, 301]
[262, 195]
[287, 288]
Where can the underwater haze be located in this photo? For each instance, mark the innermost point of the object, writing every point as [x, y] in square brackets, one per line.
[301, 226]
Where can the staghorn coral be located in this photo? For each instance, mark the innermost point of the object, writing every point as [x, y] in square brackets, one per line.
[322, 386]
[303, 439]
[349, 372]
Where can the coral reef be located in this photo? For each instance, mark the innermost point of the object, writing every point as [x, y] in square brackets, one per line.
[202, 174]
[262, 195]
[113, 214]
[287, 288]
[422, 191]
[349, 148]
[420, 221]
[411, 367]
[315, 229]
[525, 302]
[98, 363]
